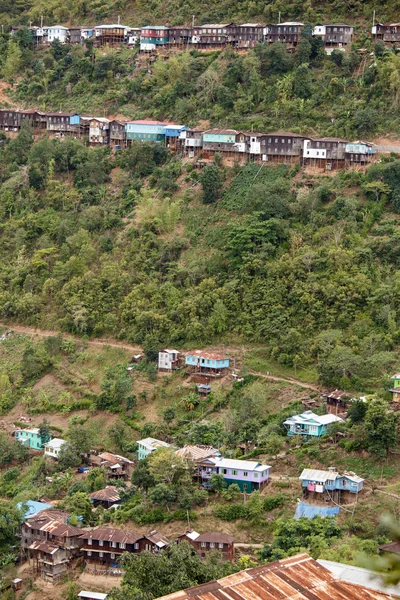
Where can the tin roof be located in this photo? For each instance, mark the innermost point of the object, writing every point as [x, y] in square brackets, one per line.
[151, 443]
[108, 494]
[309, 511]
[204, 354]
[146, 122]
[286, 134]
[112, 535]
[215, 537]
[215, 25]
[328, 139]
[296, 578]
[44, 547]
[32, 507]
[114, 458]
[395, 376]
[360, 576]
[56, 528]
[318, 475]
[52, 514]
[245, 465]
[336, 394]
[196, 452]
[55, 444]
[156, 538]
[222, 131]
[309, 417]
[92, 595]
[391, 547]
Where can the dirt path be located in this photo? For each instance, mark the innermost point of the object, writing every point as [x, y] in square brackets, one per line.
[94, 342]
[310, 386]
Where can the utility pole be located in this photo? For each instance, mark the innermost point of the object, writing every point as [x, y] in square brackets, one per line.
[119, 19]
[41, 21]
[279, 18]
[192, 21]
[373, 18]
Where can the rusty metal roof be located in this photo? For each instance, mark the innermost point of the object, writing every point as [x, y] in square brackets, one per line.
[44, 547]
[112, 535]
[109, 494]
[50, 514]
[54, 527]
[196, 452]
[297, 578]
[336, 394]
[393, 547]
[215, 537]
[114, 458]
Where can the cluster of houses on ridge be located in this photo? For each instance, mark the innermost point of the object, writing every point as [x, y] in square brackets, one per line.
[276, 147]
[208, 36]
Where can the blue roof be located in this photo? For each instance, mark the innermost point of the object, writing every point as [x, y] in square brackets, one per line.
[33, 507]
[310, 511]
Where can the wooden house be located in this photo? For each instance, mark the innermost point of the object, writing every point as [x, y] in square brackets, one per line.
[117, 467]
[211, 541]
[248, 35]
[117, 134]
[75, 36]
[207, 364]
[106, 497]
[223, 140]
[359, 152]
[110, 35]
[330, 485]
[327, 153]
[334, 35]
[191, 141]
[213, 35]
[59, 124]
[282, 146]
[287, 33]
[168, 360]
[336, 402]
[42, 528]
[309, 424]
[387, 32]
[180, 35]
[99, 131]
[48, 560]
[153, 37]
[172, 134]
[249, 475]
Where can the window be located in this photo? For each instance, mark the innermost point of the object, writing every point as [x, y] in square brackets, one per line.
[245, 473]
[112, 555]
[203, 544]
[101, 554]
[122, 545]
[136, 546]
[224, 471]
[234, 472]
[101, 543]
[212, 545]
[220, 546]
[148, 547]
[245, 486]
[255, 475]
[113, 544]
[89, 553]
[90, 542]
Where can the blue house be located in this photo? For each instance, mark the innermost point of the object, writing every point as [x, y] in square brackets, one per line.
[209, 364]
[330, 485]
[32, 507]
[29, 438]
[145, 131]
[173, 135]
[309, 424]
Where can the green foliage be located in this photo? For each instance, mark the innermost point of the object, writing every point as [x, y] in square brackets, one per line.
[211, 183]
[380, 428]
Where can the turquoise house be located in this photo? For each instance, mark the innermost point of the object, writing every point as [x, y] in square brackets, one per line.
[30, 438]
[395, 389]
[319, 482]
[145, 131]
[210, 364]
[149, 445]
[309, 424]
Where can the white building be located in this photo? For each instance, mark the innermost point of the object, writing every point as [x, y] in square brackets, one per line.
[57, 32]
[149, 445]
[53, 447]
[99, 130]
[168, 359]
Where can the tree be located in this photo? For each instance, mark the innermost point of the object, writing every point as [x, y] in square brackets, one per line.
[80, 437]
[273, 444]
[10, 520]
[302, 82]
[376, 189]
[169, 415]
[119, 434]
[68, 457]
[80, 505]
[166, 467]
[211, 183]
[44, 432]
[148, 576]
[357, 409]
[141, 476]
[13, 62]
[380, 428]
[11, 449]
[163, 495]
[217, 483]
[116, 389]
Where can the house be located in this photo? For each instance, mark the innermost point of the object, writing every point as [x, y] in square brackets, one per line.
[282, 146]
[336, 401]
[110, 35]
[310, 424]
[249, 475]
[59, 123]
[118, 467]
[145, 131]
[133, 36]
[43, 528]
[172, 135]
[48, 560]
[106, 497]
[213, 34]
[149, 445]
[191, 141]
[79, 125]
[204, 543]
[296, 578]
[168, 360]
[117, 134]
[179, 35]
[387, 32]
[359, 152]
[220, 140]
[155, 542]
[334, 35]
[92, 595]
[53, 447]
[152, 37]
[57, 32]
[29, 438]
[286, 33]
[75, 36]
[330, 485]
[248, 35]
[99, 131]
[328, 153]
[208, 364]
[197, 453]
[395, 389]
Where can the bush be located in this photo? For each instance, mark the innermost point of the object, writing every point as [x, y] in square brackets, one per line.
[231, 512]
[274, 501]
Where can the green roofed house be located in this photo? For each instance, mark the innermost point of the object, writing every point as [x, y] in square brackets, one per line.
[29, 438]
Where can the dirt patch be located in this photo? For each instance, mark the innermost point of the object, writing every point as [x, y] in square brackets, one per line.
[98, 583]
[4, 98]
[48, 380]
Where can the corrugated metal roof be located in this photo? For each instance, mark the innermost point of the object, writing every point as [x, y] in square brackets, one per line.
[112, 535]
[196, 452]
[44, 547]
[109, 494]
[92, 595]
[245, 465]
[360, 576]
[297, 578]
[56, 528]
[392, 547]
[336, 394]
[51, 514]
[202, 353]
[151, 443]
[216, 537]
[32, 507]
[310, 511]
[109, 457]
[318, 475]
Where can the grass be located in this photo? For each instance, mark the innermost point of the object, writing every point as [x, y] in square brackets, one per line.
[257, 360]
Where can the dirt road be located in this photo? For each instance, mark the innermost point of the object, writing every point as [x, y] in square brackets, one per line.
[136, 350]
